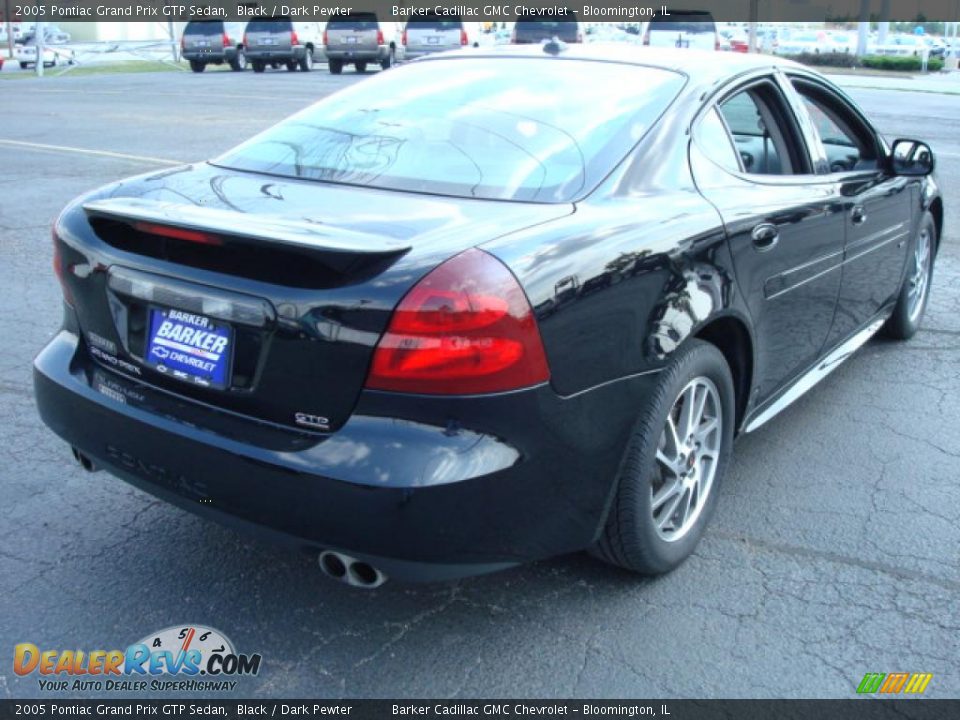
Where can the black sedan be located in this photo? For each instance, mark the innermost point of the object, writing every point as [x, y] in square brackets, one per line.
[495, 306]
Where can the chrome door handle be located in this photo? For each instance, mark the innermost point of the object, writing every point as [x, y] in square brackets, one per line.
[765, 236]
[858, 216]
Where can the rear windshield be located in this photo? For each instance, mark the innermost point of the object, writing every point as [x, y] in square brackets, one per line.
[684, 22]
[259, 26]
[431, 23]
[204, 27]
[539, 30]
[354, 21]
[528, 129]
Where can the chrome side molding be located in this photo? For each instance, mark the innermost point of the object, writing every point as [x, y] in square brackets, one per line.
[818, 372]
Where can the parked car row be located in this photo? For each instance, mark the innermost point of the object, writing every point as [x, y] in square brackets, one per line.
[359, 39]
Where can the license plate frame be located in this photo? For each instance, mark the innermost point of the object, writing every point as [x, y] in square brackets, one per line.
[170, 356]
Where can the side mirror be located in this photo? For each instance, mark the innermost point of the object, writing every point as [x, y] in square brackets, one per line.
[911, 158]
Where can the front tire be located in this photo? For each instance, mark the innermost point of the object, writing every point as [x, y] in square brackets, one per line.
[306, 65]
[915, 291]
[239, 62]
[674, 464]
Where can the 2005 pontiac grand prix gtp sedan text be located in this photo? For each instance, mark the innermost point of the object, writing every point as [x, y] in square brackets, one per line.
[489, 307]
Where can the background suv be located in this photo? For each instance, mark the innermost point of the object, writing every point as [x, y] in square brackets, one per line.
[359, 39]
[282, 42]
[215, 42]
[434, 33]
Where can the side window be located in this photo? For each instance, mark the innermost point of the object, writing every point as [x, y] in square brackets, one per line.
[849, 145]
[715, 142]
[764, 142]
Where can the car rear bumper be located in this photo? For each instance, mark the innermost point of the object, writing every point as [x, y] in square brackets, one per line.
[213, 55]
[359, 54]
[276, 54]
[428, 496]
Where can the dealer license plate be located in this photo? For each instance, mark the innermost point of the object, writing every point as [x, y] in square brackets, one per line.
[189, 347]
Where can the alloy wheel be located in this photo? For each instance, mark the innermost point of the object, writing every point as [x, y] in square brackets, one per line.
[920, 276]
[687, 456]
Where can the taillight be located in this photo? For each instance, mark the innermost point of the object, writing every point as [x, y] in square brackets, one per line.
[183, 43]
[465, 328]
[403, 38]
[226, 40]
[294, 40]
[379, 37]
[177, 233]
[716, 42]
[463, 37]
[646, 38]
[325, 38]
[245, 40]
[60, 269]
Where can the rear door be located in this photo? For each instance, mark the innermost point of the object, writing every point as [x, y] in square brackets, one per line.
[877, 205]
[356, 31]
[784, 224]
[203, 36]
[269, 35]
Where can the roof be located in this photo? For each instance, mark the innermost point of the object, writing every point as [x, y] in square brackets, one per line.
[704, 67]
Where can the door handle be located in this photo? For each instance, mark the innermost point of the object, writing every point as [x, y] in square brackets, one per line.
[858, 216]
[765, 236]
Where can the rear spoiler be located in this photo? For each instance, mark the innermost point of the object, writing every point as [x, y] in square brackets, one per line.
[301, 234]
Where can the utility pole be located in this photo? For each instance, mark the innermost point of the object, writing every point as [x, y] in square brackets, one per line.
[38, 41]
[752, 26]
[173, 41]
[863, 34]
[6, 16]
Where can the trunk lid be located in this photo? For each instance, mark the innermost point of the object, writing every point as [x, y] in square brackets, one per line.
[284, 285]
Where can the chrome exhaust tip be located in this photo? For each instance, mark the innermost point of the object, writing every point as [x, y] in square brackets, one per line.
[85, 462]
[350, 570]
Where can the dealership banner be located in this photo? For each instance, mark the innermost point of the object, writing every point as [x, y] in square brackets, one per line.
[404, 10]
[502, 709]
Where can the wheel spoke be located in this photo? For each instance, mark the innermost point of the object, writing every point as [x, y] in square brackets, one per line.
[685, 425]
[707, 428]
[668, 490]
[667, 514]
[668, 463]
[673, 440]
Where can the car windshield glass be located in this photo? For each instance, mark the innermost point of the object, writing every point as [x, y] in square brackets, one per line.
[259, 26]
[433, 24]
[203, 28]
[684, 22]
[359, 21]
[540, 130]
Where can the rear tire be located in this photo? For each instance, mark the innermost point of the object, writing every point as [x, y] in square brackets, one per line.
[306, 65]
[258, 66]
[915, 291]
[24, 66]
[385, 64]
[674, 464]
[336, 66]
[361, 67]
[197, 66]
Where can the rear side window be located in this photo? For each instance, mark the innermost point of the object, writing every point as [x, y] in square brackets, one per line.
[206, 28]
[354, 21]
[434, 23]
[269, 26]
[454, 127]
[715, 141]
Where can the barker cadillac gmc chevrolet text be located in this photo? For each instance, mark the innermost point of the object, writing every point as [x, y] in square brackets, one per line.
[427, 329]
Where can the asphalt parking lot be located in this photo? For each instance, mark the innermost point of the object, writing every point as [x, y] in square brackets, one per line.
[835, 550]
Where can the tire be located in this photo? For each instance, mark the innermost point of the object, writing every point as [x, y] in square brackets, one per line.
[258, 66]
[306, 65]
[385, 63]
[239, 62]
[915, 291]
[197, 66]
[360, 67]
[24, 66]
[336, 66]
[292, 65]
[638, 535]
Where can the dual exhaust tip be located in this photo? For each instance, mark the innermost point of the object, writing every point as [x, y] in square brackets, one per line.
[341, 567]
[351, 571]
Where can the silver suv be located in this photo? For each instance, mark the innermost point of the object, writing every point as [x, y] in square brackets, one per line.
[213, 42]
[359, 39]
[282, 42]
[434, 33]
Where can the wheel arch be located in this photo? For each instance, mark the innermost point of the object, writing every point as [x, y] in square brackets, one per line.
[731, 335]
[936, 209]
